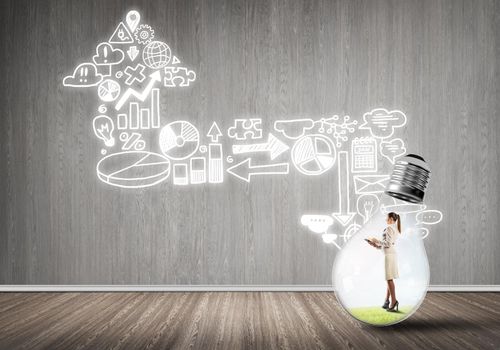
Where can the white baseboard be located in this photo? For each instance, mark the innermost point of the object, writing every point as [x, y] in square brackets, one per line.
[218, 288]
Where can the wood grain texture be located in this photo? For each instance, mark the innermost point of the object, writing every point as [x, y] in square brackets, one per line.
[436, 60]
[237, 321]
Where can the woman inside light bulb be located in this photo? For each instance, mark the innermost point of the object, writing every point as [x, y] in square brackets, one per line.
[387, 243]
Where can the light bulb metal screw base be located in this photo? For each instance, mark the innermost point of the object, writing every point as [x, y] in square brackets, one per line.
[409, 179]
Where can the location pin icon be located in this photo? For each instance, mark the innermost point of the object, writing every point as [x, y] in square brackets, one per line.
[133, 18]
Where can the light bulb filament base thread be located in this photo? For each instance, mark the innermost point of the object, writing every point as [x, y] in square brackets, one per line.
[409, 179]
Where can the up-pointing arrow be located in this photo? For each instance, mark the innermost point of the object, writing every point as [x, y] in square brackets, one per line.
[245, 170]
[344, 216]
[273, 145]
[214, 133]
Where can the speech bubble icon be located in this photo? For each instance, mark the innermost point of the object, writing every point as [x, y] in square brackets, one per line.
[382, 122]
[429, 217]
[329, 238]
[392, 149]
[421, 231]
[317, 223]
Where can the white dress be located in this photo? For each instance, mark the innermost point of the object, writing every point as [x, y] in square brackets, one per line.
[391, 259]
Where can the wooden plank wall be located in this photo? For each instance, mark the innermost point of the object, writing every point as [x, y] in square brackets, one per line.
[436, 60]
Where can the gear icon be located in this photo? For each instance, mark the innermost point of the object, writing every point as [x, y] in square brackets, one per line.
[144, 34]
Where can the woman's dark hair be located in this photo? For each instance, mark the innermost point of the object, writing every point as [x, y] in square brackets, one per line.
[396, 218]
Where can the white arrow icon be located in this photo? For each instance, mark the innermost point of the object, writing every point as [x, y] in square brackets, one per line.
[273, 145]
[214, 133]
[156, 76]
[245, 170]
[344, 216]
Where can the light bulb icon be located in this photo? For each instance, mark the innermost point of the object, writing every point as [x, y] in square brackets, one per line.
[103, 129]
[367, 205]
[362, 272]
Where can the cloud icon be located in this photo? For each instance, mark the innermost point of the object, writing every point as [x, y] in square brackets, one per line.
[84, 75]
[293, 128]
[317, 223]
[107, 56]
[382, 122]
[392, 149]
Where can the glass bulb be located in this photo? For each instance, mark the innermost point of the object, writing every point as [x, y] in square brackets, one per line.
[359, 271]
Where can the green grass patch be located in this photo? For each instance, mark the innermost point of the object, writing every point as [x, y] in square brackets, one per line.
[378, 316]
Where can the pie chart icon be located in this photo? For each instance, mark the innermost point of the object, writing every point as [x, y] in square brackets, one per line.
[108, 90]
[313, 154]
[179, 140]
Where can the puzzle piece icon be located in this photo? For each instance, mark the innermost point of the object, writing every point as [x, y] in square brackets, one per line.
[245, 129]
[178, 76]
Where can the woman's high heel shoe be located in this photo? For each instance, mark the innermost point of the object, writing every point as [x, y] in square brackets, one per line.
[395, 308]
[386, 304]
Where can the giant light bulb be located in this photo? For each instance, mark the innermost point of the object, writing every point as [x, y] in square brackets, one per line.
[359, 270]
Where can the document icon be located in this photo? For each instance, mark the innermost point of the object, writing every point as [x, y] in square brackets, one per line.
[370, 183]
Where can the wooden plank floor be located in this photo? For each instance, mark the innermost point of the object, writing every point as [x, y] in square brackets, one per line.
[226, 320]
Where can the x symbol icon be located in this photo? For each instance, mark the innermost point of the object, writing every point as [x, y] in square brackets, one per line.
[134, 74]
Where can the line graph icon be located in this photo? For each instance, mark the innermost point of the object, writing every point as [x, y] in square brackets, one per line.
[155, 77]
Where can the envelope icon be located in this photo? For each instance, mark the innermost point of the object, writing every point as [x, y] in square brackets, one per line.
[364, 184]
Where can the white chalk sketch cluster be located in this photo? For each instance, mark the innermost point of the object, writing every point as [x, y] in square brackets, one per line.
[140, 147]
[360, 166]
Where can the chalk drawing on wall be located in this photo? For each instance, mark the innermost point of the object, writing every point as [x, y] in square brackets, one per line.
[214, 133]
[392, 149]
[179, 140]
[364, 155]
[367, 205]
[144, 34]
[338, 130]
[133, 52]
[108, 90]
[132, 141]
[364, 184]
[134, 74]
[381, 122]
[198, 170]
[103, 129]
[273, 146]
[141, 96]
[133, 169]
[121, 35]
[180, 175]
[245, 170]
[106, 56]
[293, 128]
[313, 154]
[215, 163]
[156, 55]
[178, 77]
[133, 18]
[343, 215]
[130, 69]
[85, 75]
[246, 129]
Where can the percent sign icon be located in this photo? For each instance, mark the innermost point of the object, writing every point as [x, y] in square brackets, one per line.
[132, 140]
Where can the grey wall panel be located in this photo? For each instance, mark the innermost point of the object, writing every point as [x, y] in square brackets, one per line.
[436, 60]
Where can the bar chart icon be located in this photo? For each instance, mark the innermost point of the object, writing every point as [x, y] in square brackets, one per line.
[142, 118]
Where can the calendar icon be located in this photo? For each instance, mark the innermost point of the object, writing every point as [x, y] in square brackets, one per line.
[364, 155]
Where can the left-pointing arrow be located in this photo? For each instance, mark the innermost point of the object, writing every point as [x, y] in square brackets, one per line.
[245, 170]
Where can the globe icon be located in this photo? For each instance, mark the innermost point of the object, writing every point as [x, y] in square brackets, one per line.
[156, 54]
